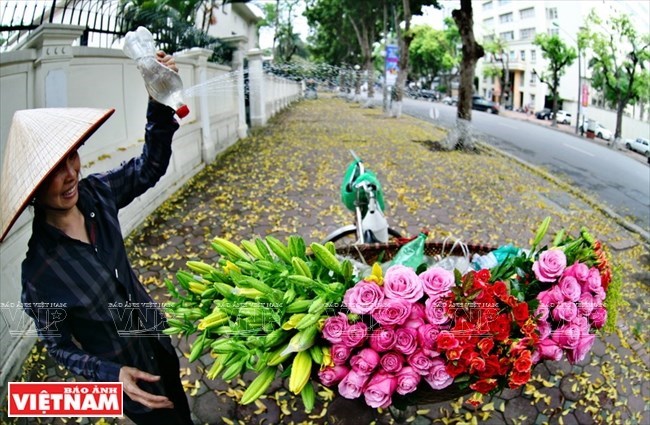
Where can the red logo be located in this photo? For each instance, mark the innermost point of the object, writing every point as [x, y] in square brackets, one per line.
[34, 399]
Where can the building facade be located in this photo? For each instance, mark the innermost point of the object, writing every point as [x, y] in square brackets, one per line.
[517, 23]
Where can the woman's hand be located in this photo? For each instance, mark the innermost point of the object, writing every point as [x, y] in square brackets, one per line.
[129, 376]
[167, 60]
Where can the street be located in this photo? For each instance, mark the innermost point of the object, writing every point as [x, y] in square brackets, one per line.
[618, 181]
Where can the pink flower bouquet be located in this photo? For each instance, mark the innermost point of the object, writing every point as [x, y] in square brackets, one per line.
[482, 331]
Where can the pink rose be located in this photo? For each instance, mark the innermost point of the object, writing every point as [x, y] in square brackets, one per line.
[392, 312]
[593, 282]
[332, 374]
[567, 335]
[582, 323]
[551, 297]
[544, 329]
[414, 324]
[586, 304]
[420, 362]
[550, 265]
[427, 335]
[548, 349]
[382, 339]
[392, 362]
[541, 313]
[352, 385]
[335, 327]
[437, 281]
[364, 297]
[435, 311]
[438, 378]
[570, 288]
[566, 310]
[407, 380]
[402, 283]
[365, 361]
[340, 353]
[380, 389]
[579, 271]
[580, 351]
[355, 335]
[417, 312]
[598, 317]
[406, 340]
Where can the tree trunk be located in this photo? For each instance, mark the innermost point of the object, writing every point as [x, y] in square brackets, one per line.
[554, 90]
[619, 118]
[405, 39]
[472, 51]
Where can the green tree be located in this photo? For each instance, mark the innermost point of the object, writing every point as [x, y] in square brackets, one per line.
[619, 63]
[559, 56]
[433, 52]
[497, 48]
[172, 23]
[332, 40]
[403, 11]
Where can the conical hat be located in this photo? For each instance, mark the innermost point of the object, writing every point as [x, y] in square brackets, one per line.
[39, 139]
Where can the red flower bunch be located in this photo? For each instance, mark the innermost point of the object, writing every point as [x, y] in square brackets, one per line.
[491, 340]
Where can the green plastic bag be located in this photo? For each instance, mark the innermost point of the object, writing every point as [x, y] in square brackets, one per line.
[353, 177]
[411, 254]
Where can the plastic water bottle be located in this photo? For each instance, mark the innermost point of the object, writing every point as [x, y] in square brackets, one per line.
[163, 84]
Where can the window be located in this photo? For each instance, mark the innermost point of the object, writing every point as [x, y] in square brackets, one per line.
[489, 22]
[533, 78]
[527, 33]
[487, 5]
[488, 38]
[507, 36]
[522, 55]
[551, 13]
[527, 13]
[511, 58]
[506, 17]
[553, 31]
[533, 55]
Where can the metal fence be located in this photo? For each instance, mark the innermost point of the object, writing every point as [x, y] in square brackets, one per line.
[100, 18]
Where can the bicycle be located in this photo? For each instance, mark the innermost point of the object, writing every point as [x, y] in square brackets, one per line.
[361, 193]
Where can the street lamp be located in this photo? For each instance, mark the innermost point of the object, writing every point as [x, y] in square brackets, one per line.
[555, 24]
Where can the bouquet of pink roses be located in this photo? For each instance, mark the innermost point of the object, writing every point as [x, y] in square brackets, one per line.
[433, 329]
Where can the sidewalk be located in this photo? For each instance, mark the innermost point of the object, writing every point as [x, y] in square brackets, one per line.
[284, 179]
[571, 129]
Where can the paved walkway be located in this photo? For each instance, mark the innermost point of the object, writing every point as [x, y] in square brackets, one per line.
[284, 180]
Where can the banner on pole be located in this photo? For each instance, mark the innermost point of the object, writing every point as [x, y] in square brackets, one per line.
[585, 95]
[392, 64]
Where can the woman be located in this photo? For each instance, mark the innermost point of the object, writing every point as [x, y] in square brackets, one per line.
[110, 329]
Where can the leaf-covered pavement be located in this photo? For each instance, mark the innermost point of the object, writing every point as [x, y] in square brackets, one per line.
[285, 178]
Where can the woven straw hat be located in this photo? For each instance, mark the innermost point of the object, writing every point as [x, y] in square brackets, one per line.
[39, 139]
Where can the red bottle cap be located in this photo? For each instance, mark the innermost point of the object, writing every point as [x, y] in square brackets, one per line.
[182, 111]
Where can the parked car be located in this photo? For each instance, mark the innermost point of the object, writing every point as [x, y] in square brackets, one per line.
[544, 114]
[641, 145]
[481, 104]
[598, 129]
[425, 94]
[563, 117]
[453, 100]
